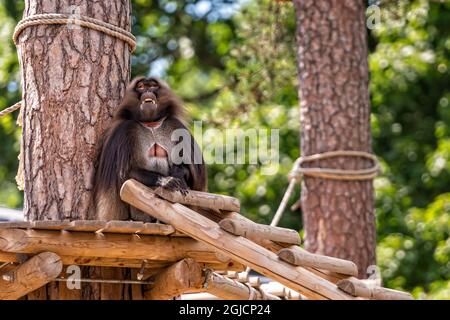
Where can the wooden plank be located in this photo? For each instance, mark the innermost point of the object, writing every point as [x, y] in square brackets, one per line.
[29, 276]
[238, 248]
[358, 288]
[108, 245]
[123, 227]
[201, 199]
[50, 224]
[86, 225]
[96, 225]
[175, 280]
[251, 230]
[157, 229]
[307, 259]
[15, 224]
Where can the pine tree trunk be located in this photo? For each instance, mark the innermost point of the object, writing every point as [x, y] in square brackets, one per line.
[72, 80]
[335, 115]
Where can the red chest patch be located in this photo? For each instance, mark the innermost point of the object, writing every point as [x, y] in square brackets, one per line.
[157, 151]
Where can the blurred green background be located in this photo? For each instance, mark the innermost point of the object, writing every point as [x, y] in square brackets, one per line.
[234, 65]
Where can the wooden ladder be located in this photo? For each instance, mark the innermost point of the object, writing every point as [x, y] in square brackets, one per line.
[261, 258]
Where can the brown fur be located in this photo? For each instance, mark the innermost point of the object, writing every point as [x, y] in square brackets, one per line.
[125, 145]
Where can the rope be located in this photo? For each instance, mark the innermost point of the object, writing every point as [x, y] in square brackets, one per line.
[91, 23]
[13, 108]
[335, 174]
[325, 173]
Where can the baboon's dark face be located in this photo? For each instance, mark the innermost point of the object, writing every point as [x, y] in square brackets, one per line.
[148, 90]
[149, 100]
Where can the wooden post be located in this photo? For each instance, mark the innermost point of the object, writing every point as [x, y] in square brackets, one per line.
[306, 259]
[175, 280]
[358, 288]
[238, 248]
[253, 230]
[29, 276]
[73, 78]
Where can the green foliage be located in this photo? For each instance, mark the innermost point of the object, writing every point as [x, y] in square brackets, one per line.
[234, 65]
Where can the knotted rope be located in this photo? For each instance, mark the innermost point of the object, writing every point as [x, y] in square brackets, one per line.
[298, 172]
[61, 18]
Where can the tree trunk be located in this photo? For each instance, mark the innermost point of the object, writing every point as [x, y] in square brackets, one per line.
[335, 115]
[72, 80]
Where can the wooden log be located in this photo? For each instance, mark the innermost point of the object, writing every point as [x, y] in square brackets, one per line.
[306, 259]
[292, 295]
[358, 288]
[238, 248]
[175, 280]
[229, 289]
[274, 288]
[268, 244]
[255, 282]
[31, 275]
[126, 263]
[111, 245]
[238, 276]
[201, 199]
[253, 230]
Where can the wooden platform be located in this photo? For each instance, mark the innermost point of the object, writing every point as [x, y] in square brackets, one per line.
[194, 252]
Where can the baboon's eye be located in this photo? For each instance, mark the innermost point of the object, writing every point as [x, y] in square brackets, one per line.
[140, 85]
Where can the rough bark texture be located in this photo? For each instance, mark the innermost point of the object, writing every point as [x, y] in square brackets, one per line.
[72, 79]
[335, 115]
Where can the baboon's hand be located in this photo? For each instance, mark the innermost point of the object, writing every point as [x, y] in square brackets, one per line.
[173, 184]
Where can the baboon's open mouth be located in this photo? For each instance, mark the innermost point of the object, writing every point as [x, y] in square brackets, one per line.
[149, 100]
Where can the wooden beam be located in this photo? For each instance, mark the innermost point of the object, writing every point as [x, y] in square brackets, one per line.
[238, 248]
[253, 230]
[200, 199]
[270, 245]
[29, 276]
[112, 245]
[126, 263]
[358, 288]
[175, 280]
[307, 259]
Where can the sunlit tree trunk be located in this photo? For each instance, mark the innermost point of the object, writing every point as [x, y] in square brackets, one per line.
[335, 115]
[72, 79]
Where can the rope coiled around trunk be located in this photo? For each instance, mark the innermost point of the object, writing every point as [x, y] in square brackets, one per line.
[91, 23]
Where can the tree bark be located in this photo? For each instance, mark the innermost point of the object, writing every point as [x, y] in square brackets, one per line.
[335, 115]
[72, 80]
